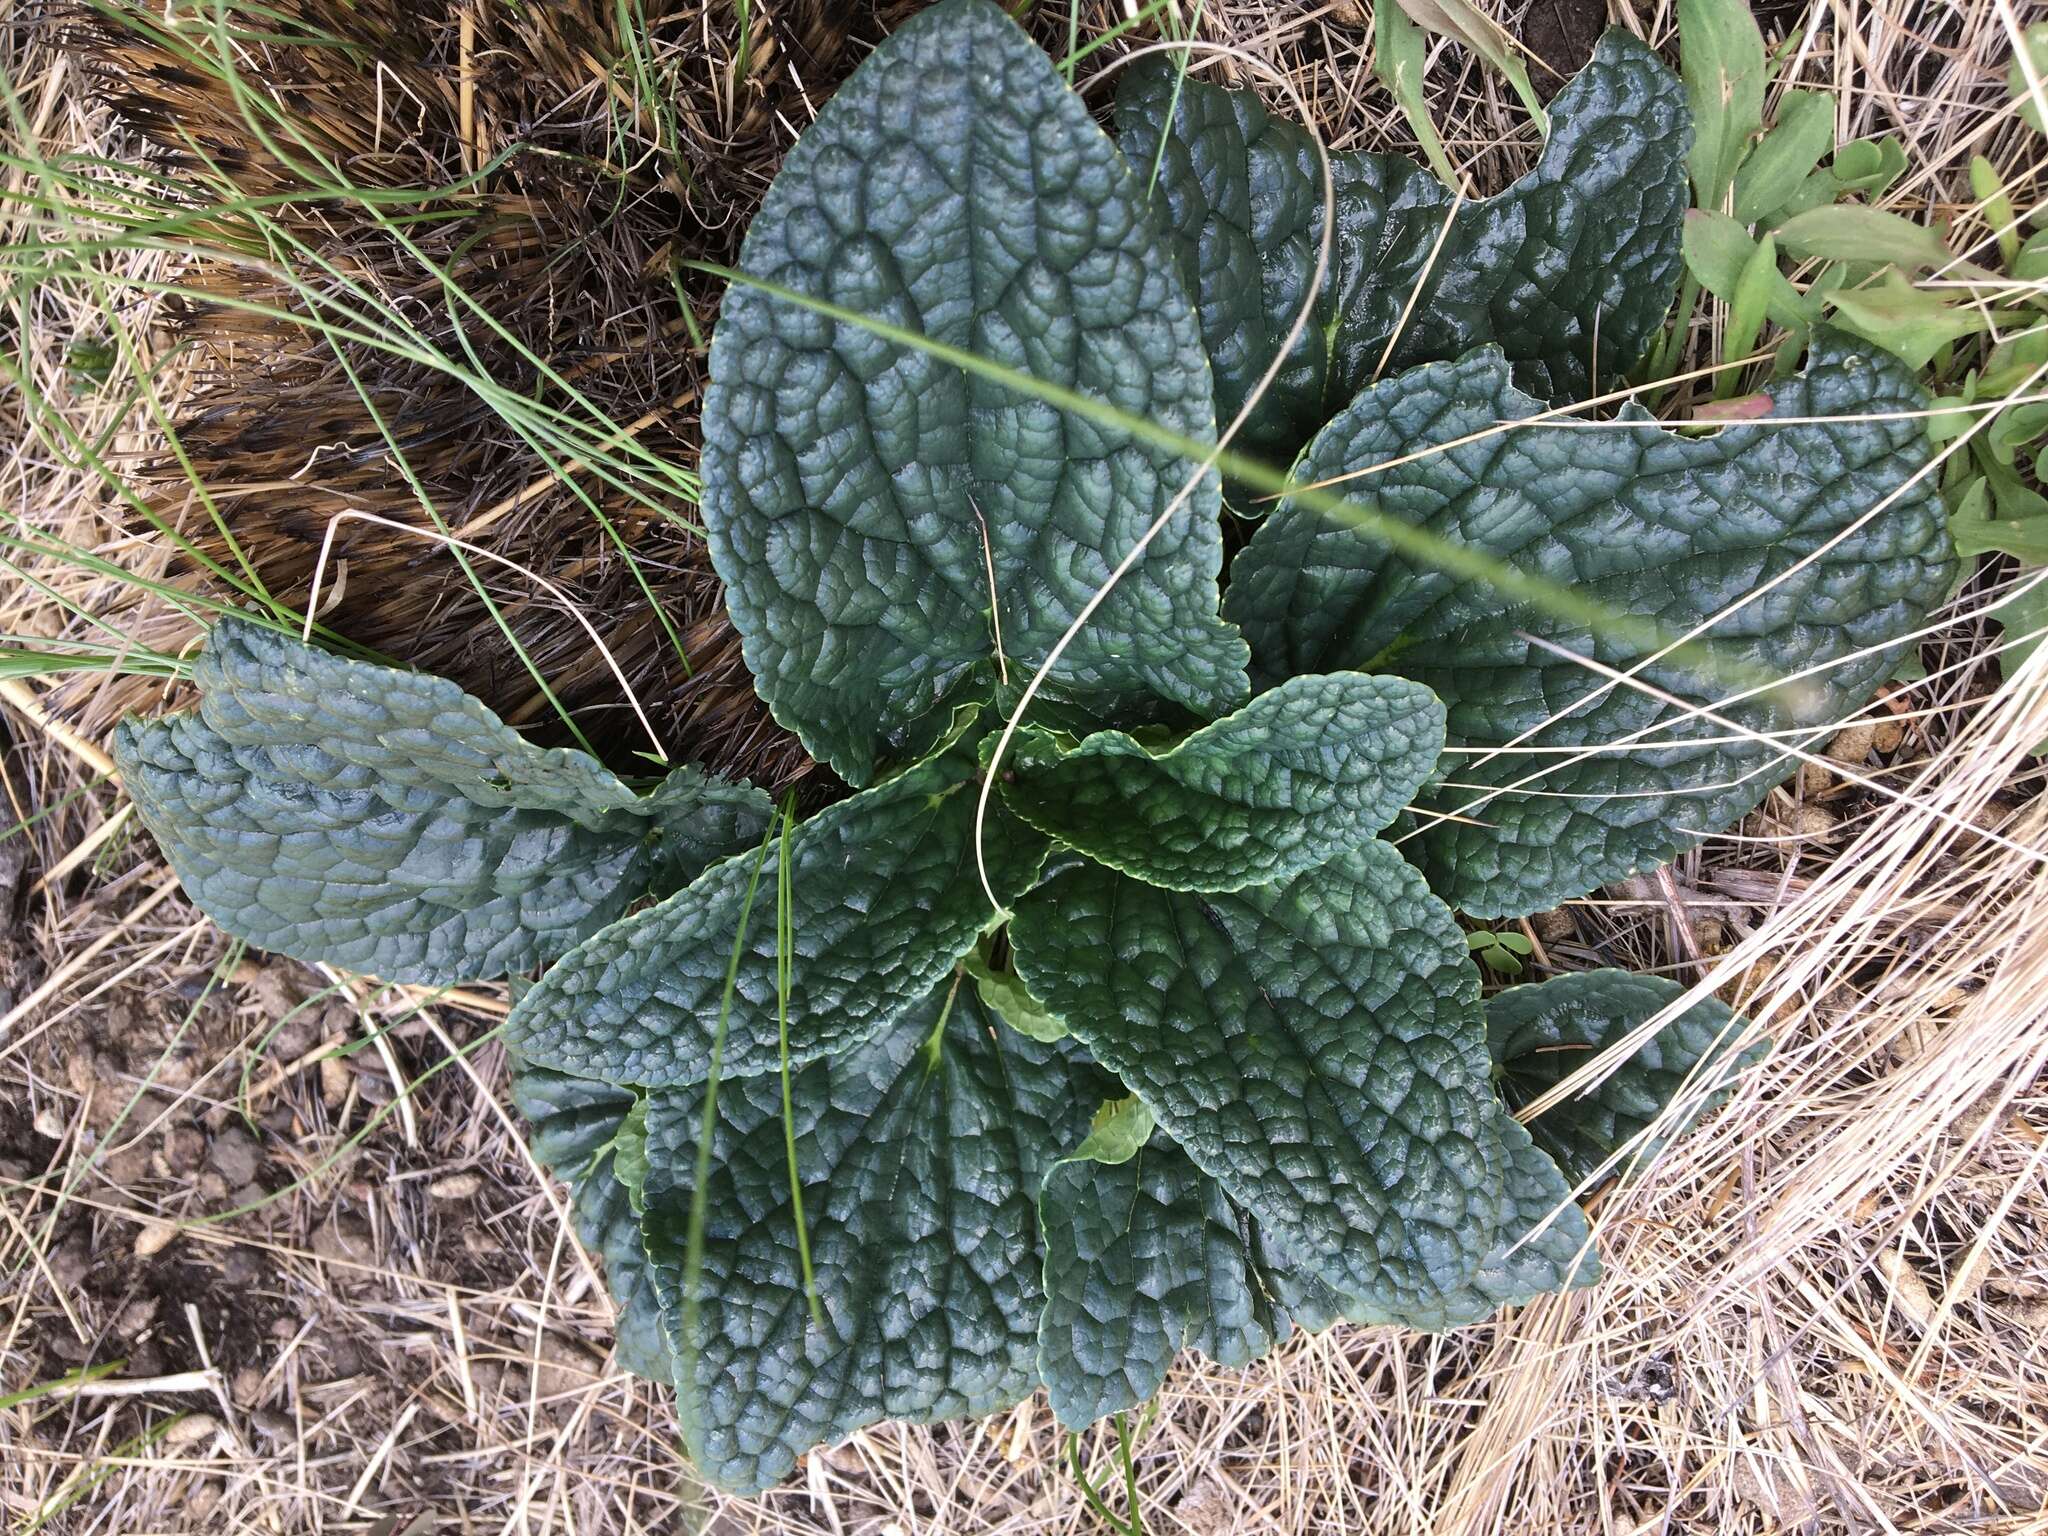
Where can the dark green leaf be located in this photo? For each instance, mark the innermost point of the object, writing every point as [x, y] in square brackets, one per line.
[386, 822]
[885, 897]
[855, 491]
[1646, 523]
[920, 1153]
[1300, 774]
[579, 1131]
[1144, 1257]
[1586, 243]
[1314, 1046]
[1517, 1269]
[1721, 56]
[1540, 1034]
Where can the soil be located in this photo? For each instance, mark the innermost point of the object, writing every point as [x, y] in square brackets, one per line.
[1561, 33]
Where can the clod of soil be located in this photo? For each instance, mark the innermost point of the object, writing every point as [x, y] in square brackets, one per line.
[345, 1239]
[235, 1155]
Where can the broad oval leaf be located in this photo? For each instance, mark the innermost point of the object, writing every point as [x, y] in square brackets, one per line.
[857, 492]
[919, 1154]
[1543, 1246]
[387, 822]
[1144, 1257]
[1583, 249]
[1542, 1033]
[1607, 779]
[576, 1129]
[884, 897]
[1299, 775]
[1315, 1046]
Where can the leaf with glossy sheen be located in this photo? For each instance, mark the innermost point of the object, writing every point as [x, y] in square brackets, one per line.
[1144, 1257]
[885, 897]
[1297, 776]
[856, 491]
[1586, 244]
[1542, 1033]
[1650, 524]
[387, 822]
[1315, 1046]
[1517, 1269]
[578, 1129]
[920, 1154]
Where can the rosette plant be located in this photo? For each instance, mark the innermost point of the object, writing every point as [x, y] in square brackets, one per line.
[1120, 1008]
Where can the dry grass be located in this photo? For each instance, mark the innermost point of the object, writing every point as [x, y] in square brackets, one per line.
[360, 1309]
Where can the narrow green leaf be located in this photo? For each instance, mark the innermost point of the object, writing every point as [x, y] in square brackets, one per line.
[1989, 189]
[2024, 618]
[1753, 290]
[1778, 167]
[1869, 166]
[1976, 532]
[2016, 81]
[1818, 189]
[1721, 60]
[1399, 63]
[2012, 498]
[1851, 232]
[629, 1154]
[1718, 251]
[1483, 35]
[1910, 323]
[1314, 767]
[2031, 266]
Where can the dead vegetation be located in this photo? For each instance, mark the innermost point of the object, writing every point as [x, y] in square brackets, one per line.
[286, 1220]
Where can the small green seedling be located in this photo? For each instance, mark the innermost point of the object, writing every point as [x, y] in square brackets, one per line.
[1500, 953]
